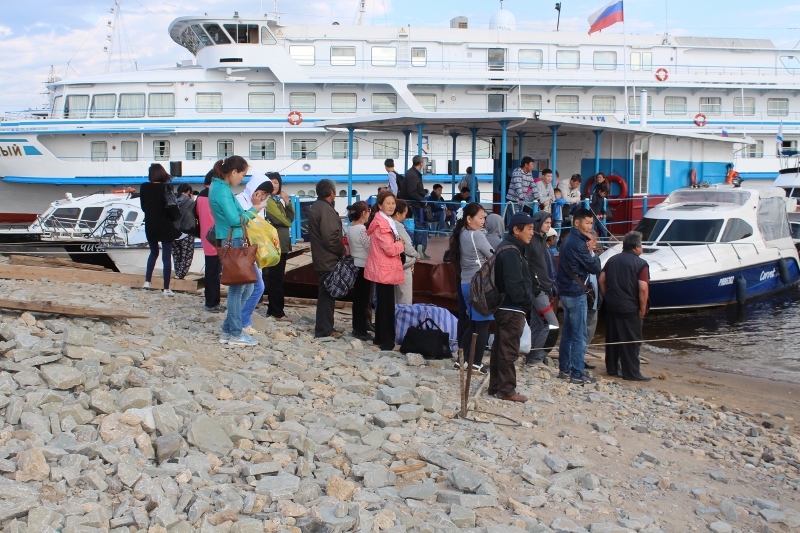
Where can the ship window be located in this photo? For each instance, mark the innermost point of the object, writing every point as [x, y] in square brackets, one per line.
[675, 105]
[383, 148]
[208, 102]
[304, 102]
[605, 61]
[633, 105]
[224, 148]
[419, 57]
[194, 149]
[201, 35]
[736, 229]
[266, 36]
[57, 107]
[495, 103]
[340, 149]
[604, 104]
[261, 102]
[651, 228]
[530, 59]
[791, 63]
[90, 215]
[161, 104]
[641, 61]
[427, 101]
[262, 149]
[131, 106]
[77, 106]
[641, 166]
[778, 107]
[304, 149]
[103, 106]
[130, 150]
[711, 105]
[99, 151]
[131, 216]
[302, 54]
[530, 102]
[191, 41]
[384, 56]
[567, 103]
[243, 33]
[689, 232]
[161, 150]
[384, 103]
[789, 145]
[496, 58]
[744, 106]
[568, 59]
[754, 150]
[217, 34]
[343, 56]
[64, 216]
[343, 102]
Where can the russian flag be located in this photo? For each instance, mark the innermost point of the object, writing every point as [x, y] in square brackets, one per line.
[606, 16]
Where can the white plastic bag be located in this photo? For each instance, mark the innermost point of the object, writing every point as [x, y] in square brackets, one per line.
[525, 340]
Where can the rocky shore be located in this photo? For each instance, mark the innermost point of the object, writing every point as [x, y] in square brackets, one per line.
[152, 425]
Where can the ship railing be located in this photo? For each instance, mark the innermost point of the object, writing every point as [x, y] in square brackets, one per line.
[675, 246]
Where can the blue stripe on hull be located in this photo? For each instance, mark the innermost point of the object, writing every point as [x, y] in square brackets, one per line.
[720, 288]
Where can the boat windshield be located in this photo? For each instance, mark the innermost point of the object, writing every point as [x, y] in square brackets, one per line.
[691, 232]
[651, 228]
[709, 196]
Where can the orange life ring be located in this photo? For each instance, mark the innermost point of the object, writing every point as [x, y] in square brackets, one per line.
[125, 190]
[662, 74]
[613, 201]
[295, 118]
[700, 120]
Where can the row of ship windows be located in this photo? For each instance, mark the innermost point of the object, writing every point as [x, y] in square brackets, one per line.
[757, 149]
[259, 149]
[163, 104]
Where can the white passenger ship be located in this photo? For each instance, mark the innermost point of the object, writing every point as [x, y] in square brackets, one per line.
[258, 88]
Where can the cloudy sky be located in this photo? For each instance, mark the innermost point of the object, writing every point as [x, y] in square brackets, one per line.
[71, 34]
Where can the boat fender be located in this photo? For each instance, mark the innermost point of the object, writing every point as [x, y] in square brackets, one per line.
[741, 290]
[783, 271]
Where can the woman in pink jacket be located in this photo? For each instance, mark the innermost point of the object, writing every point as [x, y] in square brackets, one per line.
[384, 266]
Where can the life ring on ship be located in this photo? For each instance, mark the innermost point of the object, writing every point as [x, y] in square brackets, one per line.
[125, 190]
[613, 201]
[700, 120]
[295, 118]
[662, 74]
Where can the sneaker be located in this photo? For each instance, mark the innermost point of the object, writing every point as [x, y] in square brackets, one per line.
[583, 380]
[215, 309]
[533, 360]
[250, 330]
[480, 369]
[456, 365]
[243, 340]
[168, 292]
[146, 285]
[224, 338]
[563, 375]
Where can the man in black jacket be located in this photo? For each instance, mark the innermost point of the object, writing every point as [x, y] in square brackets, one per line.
[327, 247]
[412, 191]
[513, 278]
[543, 319]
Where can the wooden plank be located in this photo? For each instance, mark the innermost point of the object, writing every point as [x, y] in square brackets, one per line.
[57, 309]
[74, 275]
[32, 260]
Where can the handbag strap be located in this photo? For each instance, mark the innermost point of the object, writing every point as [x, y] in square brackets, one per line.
[581, 283]
[477, 256]
[428, 322]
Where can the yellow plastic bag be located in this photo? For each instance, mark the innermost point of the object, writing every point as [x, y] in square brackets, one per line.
[265, 236]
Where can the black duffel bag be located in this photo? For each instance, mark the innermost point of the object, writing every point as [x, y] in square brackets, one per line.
[428, 339]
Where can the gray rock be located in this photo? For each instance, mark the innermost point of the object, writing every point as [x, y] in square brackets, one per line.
[166, 420]
[465, 479]
[772, 516]
[287, 388]
[590, 482]
[395, 396]
[422, 491]
[410, 411]
[565, 525]
[606, 527]
[415, 359]
[128, 474]
[729, 511]
[386, 419]
[62, 377]
[208, 436]
[592, 496]
[555, 463]
[462, 516]
[87, 353]
[720, 527]
[718, 475]
[602, 427]
[78, 337]
[278, 487]
[167, 446]
[766, 504]
[530, 475]
[650, 457]
[430, 401]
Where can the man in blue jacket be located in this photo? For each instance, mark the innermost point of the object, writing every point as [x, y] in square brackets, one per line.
[575, 263]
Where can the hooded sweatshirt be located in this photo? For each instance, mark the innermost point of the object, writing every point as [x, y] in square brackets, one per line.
[245, 197]
[495, 230]
[537, 256]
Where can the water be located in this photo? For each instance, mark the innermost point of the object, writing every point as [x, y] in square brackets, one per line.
[758, 339]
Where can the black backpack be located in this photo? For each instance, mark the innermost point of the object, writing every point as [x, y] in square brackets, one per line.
[399, 178]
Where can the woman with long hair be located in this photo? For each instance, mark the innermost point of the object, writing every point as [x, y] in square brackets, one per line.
[280, 214]
[384, 267]
[183, 246]
[159, 227]
[470, 249]
[227, 214]
[404, 294]
[359, 242]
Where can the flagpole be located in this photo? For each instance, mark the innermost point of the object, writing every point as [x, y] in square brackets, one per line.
[625, 65]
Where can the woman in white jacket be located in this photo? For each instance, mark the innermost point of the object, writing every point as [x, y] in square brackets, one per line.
[358, 240]
[403, 294]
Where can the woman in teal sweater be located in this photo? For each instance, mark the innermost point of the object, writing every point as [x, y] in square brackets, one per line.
[227, 214]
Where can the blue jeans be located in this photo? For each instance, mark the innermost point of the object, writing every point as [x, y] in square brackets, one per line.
[572, 349]
[237, 296]
[421, 231]
[252, 301]
[441, 220]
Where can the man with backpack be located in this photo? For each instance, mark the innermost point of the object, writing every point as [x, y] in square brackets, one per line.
[395, 179]
[513, 280]
[412, 191]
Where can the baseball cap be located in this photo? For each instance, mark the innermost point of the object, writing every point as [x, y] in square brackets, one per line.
[552, 233]
[520, 218]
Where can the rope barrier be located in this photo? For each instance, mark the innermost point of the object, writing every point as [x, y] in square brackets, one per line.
[650, 341]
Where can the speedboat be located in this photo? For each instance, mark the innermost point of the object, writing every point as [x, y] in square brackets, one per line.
[717, 246]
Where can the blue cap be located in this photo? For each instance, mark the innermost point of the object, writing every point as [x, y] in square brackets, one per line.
[520, 218]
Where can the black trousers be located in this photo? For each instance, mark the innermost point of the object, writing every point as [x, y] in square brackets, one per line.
[505, 351]
[627, 355]
[273, 281]
[481, 327]
[325, 306]
[384, 316]
[213, 271]
[362, 296]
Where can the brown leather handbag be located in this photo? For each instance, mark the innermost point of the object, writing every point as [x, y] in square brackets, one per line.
[238, 264]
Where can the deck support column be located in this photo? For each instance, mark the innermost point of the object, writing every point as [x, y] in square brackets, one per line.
[407, 133]
[420, 127]
[521, 141]
[597, 134]
[350, 130]
[503, 167]
[474, 180]
[554, 162]
[453, 172]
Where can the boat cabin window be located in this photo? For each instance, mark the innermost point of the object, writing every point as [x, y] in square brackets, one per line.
[641, 61]
[243, 33]
[791, 64]
[90, 216]
[651, 228]
[216, 33]
[131, 216]
[208, 102]
[343, 56]
[77, 106]
[261, 102]
[130, 150]
[792, 193]
[708, 196]
[427, 101]
[794, 228]
[99, 151]
[262, 149]
[303, 102]
[530, 59]
[302, 54]
[744, 106]
[530, 102]
[384, 56]
[736, 229]
[340, 149]
[161, 104]
[754, 150]
[201, 35]
[385, 148]
[419, 57]
[304, 149]
[384, 103]
[604, 104]
[64, 216]
[57, 107]
[568, 59]
[194, 149]
[131, 106]
[224, 148]
[266, 36]
[690, 232]
[778, 107]
[103, 106]
[567, 103]
[496, 103]
[711, 105]
[161, 150]
[675, 105]
[605, 60]
[633, 105]
[343, 102]
[496, 58]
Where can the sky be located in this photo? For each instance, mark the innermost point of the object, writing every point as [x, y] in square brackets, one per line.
[71, 34]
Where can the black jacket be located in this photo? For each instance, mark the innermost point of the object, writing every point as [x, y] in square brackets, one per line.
[512, 277]
[597, 204]
[411, 189]
[158, 227]
[575, 253]
[622, 284]
[536, 251]
[325, 232]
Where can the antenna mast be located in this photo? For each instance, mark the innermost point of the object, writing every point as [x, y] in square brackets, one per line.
[362, 8]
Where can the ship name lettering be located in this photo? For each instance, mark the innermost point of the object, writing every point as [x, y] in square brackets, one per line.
[769, 274]
[10, 150]
[725, 281]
